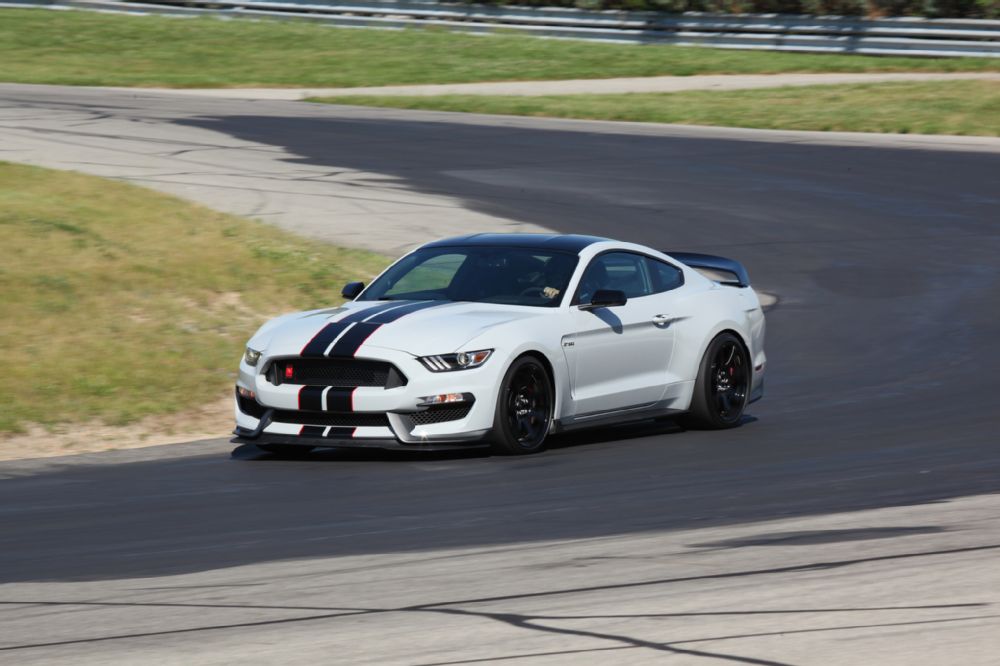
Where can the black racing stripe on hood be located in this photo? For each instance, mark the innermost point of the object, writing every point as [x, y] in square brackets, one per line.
[322, 340]
[361, 315]
[393, 315]
[329, 333]
[351, 341]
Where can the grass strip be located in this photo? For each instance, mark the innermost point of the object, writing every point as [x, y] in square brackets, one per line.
[117, 302]
[934, 107]
[88, 48]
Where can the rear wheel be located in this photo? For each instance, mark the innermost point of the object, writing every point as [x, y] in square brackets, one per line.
[722, 386]
[524, 408]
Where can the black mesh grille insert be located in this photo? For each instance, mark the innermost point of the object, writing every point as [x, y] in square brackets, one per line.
[344, 372]
[439, 414]
[348, 419]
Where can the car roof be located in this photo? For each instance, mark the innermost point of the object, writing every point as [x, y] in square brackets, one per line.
[563, 242]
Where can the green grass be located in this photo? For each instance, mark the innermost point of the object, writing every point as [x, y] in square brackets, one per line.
[938, 107]
[85, 48]
[117, 302]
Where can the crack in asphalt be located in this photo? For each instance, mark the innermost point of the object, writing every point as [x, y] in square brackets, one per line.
[193, 147]
[531, 622]
[528, 655]
[189, 630]
[795, 568]
[672, 645]
[286, 192]
[837, 628]
[525, 622]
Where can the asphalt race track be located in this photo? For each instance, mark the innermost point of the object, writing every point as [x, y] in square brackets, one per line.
[852, 519]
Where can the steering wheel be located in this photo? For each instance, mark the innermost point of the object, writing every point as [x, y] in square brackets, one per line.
[533, 291]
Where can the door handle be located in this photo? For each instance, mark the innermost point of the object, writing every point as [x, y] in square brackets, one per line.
[661, 319]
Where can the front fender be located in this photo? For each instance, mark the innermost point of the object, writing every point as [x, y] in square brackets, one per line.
[513, 341]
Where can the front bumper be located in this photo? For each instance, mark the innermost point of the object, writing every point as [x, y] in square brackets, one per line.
[395, 426]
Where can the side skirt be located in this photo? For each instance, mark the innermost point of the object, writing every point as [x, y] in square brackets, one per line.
[625, 415]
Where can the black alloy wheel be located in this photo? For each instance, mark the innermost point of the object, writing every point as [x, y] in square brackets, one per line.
[524, 408]
[722, 386]
[730, 380]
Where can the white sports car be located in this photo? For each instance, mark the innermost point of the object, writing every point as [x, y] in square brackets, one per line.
[502, 339]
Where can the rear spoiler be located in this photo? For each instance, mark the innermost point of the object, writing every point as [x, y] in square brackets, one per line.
[709, 262]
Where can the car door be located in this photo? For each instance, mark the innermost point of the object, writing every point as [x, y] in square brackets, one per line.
[619, 356]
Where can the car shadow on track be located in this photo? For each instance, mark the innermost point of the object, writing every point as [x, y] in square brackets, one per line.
[562, 441]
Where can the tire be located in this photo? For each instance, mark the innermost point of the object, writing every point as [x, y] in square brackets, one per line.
[524, 408]
[722, 387]
[286, 450]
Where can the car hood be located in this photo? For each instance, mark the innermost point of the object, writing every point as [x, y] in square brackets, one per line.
[418, 328]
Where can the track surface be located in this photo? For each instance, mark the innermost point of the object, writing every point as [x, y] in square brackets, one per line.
[881, 396]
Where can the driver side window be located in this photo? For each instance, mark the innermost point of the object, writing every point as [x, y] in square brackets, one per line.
[433, 275]
[621, 271]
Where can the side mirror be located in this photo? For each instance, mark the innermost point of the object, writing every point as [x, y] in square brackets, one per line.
[605, 298]
[352, 289]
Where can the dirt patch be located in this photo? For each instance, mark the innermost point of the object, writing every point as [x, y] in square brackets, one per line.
[210, 421]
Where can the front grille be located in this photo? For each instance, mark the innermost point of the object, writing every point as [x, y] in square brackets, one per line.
[342, 373]
[439, 414]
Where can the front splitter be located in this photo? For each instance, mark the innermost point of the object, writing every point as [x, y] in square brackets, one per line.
[357, 443]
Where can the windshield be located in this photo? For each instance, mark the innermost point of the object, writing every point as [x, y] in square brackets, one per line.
[482, 274]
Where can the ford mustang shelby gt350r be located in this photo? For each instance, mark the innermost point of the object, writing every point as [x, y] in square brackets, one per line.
[502, 339]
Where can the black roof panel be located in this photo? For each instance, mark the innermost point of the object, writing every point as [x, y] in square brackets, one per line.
[564, 242]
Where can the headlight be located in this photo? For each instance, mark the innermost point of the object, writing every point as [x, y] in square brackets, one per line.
[459, 361]
[251, 356]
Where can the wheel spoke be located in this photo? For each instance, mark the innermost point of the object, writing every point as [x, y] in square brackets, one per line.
[726, 404]
[729, 380]
[732, 351]
[527, 406]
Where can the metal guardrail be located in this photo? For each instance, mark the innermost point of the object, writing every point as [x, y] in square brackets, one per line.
[901, 36]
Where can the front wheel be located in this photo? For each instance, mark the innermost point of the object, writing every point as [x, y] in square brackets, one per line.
[722, 386]
[524, 408]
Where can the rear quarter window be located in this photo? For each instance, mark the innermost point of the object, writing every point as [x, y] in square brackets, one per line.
[665, 276]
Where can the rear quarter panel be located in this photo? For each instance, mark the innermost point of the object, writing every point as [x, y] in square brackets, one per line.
[709, 312]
